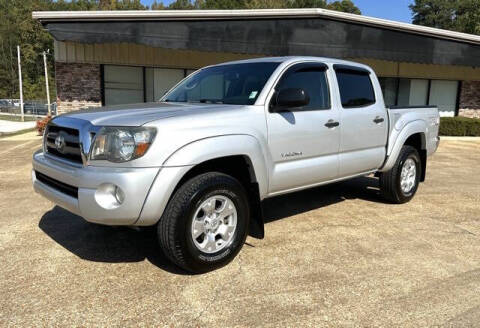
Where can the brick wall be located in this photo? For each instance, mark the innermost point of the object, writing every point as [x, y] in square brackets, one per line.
[78, 86]
[470, 99]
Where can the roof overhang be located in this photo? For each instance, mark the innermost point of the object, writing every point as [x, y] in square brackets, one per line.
[137, 15]
[317, 32]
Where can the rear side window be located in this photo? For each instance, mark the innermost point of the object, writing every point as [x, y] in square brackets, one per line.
[356, 89]
[313, 80]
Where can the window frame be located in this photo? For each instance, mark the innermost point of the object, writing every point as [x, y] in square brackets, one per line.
[102, 77]
[358, 71]
[306, 66]
[103, 81]
[430, 80]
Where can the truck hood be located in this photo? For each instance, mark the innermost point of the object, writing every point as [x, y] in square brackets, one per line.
[142, 113]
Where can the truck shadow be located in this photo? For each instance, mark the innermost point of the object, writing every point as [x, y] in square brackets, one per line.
[99, 243]
[277, 208]
[93, 242]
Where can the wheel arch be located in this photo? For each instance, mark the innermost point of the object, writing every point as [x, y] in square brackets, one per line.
[412, 134]
[241, 168]
[418, 141]
[218, 148]
[240, 156]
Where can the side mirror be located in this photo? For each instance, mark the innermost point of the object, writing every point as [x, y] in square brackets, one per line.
[290, 98]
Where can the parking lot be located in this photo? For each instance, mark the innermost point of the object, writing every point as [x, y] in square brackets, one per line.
[332, 256]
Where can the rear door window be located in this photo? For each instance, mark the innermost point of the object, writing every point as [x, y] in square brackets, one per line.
[356, 89]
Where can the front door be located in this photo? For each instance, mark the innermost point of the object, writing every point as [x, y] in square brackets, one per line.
[304, 141]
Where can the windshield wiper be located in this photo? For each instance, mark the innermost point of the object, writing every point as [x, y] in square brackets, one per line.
[213, 101]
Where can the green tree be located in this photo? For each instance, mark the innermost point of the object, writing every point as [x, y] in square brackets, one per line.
[265, 4]
[307, 4]
[221, 4]
[120, 5]
[346, 6]
[18, 28]
[157, 5]
[181, 4]
[459, 15]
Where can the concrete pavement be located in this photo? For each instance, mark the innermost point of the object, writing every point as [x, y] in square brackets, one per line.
[333, 256]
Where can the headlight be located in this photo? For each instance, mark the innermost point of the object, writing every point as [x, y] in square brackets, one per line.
[121, 144]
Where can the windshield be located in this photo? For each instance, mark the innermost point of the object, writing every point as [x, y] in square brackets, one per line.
[238, 84]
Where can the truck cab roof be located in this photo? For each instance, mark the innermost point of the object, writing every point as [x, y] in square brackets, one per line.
[286, 60]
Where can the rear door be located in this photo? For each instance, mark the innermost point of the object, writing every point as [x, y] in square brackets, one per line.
[304, 141]
[364, 121]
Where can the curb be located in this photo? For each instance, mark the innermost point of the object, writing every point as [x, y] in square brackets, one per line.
[9, 134]
[459, 138]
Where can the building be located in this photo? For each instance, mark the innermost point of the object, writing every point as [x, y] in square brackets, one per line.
[105, 58]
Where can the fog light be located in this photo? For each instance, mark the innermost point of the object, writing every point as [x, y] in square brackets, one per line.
[119, 195]
[109, 196]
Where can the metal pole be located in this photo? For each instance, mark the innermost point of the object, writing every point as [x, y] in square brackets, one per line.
[46, 83]
[20, 82]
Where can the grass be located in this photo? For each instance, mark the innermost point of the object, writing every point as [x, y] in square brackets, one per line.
[17, 118]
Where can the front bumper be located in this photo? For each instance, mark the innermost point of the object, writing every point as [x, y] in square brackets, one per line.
[134, 182]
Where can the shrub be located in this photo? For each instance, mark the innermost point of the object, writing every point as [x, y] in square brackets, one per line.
[459, 126]
[42, 123]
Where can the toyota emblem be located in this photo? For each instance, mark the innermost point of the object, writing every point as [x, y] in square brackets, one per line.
[60, 143]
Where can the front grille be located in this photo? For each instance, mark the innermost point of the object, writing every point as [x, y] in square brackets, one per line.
[69, 149]
[57, 185]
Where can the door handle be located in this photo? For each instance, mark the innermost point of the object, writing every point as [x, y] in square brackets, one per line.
[378, 119]
[331, 124]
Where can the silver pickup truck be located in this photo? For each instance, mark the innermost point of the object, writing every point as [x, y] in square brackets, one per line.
[198, 163]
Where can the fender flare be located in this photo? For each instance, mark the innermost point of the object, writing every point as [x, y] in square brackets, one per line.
[181, 161]
[210, 148]
[417, 126]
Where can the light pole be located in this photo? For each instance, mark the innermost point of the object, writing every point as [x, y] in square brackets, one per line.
[46, 80]
[20, 81]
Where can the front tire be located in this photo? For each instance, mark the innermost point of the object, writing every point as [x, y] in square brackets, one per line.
[400, 183]
[205, 223]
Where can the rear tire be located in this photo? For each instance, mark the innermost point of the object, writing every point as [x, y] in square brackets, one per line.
[400, 183]
[205, 224]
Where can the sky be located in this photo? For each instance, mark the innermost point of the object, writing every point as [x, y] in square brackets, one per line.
[396, 10]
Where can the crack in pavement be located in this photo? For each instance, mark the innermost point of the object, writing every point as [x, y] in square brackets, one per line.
[461, 232]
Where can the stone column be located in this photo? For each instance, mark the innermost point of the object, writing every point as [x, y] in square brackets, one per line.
[78, 86]
[470, 99]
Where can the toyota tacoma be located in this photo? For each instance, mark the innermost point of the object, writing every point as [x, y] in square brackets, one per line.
[198, 163]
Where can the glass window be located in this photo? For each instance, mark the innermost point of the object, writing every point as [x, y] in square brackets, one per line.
[165, 79]
[356, 88]
[149, 84]
[415, 92]
[313, 81]
[389, 87]
[160, 80]
[228, 84]
[443, 94]
[123, 84]
[412, 92]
